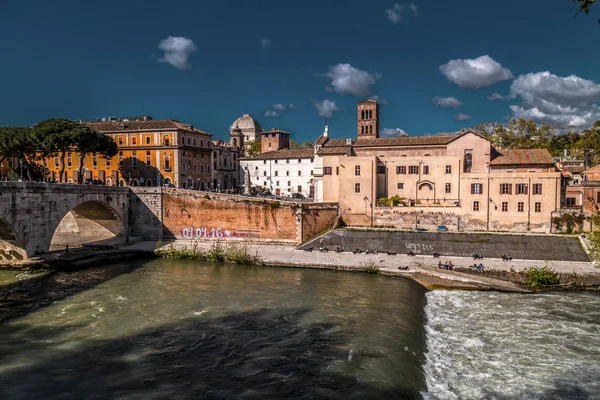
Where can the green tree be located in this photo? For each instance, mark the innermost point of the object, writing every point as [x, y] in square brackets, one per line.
[87, 140]
[57, 136]
[585, 6]
[253, 149]
[295, 145]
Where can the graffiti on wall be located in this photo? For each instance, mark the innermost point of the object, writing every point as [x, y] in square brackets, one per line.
[218, 233]
[418, 247]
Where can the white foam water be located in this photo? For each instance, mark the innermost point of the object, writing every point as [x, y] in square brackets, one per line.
[483, 345]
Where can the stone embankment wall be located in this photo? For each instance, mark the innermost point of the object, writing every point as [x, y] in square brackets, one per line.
[208, 216]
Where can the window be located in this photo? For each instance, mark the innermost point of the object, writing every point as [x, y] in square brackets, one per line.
[256, 168]
[327, 171]
[287, 161]
[505, 206]
[537, 188]
[521, 188]
[94, 161]
[120, 141]
[289, 183]
[188, 141]
[134, 159]
[194, 168]
[134, 140]
[400, 186]
[276, 161]
[425, 169]
[448, 169]
[56, 162]
[448, 188]
[147, 139]
[401, 170]
[413, 169]
[475, 206]
[506, 188]
[337, 170]
[311, 172]
[538, 206]
[167, 162]
[277, 183]
[476, 188]
[148, 159]
[201, 143]
[194, 141]
[299, 188]
[264, 161]
[276, 173]
[571, 201]
[265, 183]
[108, 159]
[201, 168]
[520, 206]
[381, 169]
[357, 170]
[167, 142]
[69, 160]
[287, 173]
[299, 161]
[264, 173]
[299, 173]
[269, 145]
[468, 161]
[357, 188]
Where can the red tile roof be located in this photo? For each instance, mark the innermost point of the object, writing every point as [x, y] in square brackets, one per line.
[523, 157]
[133, 126]
[406, 141]
[593, 170]
[282, 154]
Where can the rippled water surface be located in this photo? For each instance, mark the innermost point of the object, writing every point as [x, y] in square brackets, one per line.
[185, 330]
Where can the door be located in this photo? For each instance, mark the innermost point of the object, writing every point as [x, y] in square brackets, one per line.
[277, 192]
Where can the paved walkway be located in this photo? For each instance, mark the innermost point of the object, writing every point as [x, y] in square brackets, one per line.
[281, 255]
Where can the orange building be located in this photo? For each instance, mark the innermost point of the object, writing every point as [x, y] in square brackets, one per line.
[150, 153]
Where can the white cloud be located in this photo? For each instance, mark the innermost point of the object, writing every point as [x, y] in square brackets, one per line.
[379, 99]
[270, 113]
[447, 102]
[264, 42]
[326, 108]
[392, 132]
[462, 117]
[475, 73]
[555, 100]
[497, 96]
[345, 79]
[413, 8]
[177, 51]
[394, 14]
[282, 107]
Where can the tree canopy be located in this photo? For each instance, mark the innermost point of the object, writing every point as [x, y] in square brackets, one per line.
[585, 6]
[55, 135]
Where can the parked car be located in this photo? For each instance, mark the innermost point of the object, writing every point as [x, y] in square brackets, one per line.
[442, 228]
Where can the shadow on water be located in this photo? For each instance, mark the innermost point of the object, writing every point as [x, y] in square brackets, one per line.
[564, 389]
[252, 354]
[21, 298]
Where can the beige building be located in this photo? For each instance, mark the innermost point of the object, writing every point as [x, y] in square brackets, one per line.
[460, 181]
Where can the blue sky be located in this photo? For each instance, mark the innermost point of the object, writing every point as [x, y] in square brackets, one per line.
[433, 64]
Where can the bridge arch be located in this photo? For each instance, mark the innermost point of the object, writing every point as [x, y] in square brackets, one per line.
[89, 223]
[12, 247]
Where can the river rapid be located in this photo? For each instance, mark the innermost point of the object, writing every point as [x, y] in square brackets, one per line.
[185, 330]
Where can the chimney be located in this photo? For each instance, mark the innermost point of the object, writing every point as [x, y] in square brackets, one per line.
[326, 132]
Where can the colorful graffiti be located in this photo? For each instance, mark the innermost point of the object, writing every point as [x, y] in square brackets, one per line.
[217, 233]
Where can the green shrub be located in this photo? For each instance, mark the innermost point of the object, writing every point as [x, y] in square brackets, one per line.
[370, 268]
[536, 278]
[216, 253]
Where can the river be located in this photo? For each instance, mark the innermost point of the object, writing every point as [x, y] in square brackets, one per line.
[184, 330]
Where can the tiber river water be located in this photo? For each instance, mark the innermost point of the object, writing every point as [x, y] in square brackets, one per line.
[186, 330]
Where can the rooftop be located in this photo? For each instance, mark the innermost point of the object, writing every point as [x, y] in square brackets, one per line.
[283, 154]
[523, 157]
[150, 125]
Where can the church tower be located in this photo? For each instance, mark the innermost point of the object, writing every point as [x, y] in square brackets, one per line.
[236, 138]
[368, 119]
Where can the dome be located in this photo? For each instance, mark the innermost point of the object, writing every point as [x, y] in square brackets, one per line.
[246, 122]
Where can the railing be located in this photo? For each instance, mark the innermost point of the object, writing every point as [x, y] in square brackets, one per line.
[387, 202]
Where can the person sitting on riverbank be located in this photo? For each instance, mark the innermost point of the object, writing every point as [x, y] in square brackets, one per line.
[356, 251]
[440, 265]
[477, 256]
[403, 268]
[339, 249]
[391, 253]
[480, 268]
[411, 253]
[506, 257]
[324, 249]
[436, 255]
[309, 249]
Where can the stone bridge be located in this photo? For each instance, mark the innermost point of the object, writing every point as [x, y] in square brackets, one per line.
[34, 216]
[37, 218]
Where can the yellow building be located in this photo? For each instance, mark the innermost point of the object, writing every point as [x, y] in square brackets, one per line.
[150, 153]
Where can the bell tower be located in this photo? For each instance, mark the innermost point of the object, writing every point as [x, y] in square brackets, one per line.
[368, 119]
[236, 138]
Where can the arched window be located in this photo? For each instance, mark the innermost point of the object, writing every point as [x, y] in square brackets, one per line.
[362, 114]
[135, 182]
[167, 181]
[149, 182]
[362, 129]
[371, 129]
[121, 182]
[108, 182]
[425, 186]
[166, 140]
[468, 161]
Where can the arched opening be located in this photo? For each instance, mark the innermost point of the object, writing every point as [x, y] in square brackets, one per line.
[149, 182]
[135, 183]
[425, 186]
[108, 182]
[121, 182]
[167, 181]
[89, 224]
[12, 249]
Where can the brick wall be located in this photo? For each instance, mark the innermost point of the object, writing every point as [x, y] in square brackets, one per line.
[208, 216]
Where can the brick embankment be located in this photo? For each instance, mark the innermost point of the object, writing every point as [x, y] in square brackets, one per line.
[421, 268]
